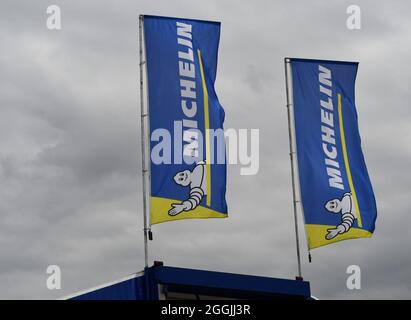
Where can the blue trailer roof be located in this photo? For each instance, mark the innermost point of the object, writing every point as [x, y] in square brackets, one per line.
[144, 286]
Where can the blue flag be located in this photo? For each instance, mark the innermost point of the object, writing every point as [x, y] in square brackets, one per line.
[336, 192]
[187, 148]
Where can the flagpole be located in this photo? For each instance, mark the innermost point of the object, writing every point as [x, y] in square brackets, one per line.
[288, 84]
[144, 114]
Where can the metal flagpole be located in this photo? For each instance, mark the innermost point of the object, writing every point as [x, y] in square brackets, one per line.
[288, 84]
[144, 114]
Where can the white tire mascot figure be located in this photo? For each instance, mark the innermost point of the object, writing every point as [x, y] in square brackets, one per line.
[197, 182]
[345, 207]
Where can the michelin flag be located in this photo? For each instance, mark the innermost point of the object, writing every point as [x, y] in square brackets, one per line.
[188, 170]
[337, 197]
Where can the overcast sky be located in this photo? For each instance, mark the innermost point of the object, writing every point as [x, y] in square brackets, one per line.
[70, 191]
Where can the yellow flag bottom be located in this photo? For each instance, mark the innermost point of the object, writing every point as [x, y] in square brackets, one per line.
[159, 208]
[316, 235]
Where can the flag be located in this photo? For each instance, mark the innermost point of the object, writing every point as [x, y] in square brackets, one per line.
[336, 193]
[187, 146]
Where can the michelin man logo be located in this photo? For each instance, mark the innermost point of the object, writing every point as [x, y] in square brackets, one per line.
[345, 207]
[196, 181]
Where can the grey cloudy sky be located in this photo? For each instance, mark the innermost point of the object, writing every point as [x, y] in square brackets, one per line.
[70, 191]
